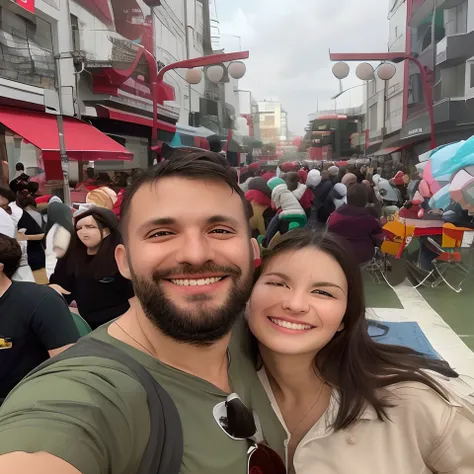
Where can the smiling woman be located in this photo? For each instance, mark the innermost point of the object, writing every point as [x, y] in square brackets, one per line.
[326, 377]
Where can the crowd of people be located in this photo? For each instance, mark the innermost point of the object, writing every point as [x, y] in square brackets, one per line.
[229, 332]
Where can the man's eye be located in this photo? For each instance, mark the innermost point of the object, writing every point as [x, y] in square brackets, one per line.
[220, 231]
[161, 233]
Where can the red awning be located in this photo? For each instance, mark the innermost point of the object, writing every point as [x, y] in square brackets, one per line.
[104, 111]
[83, 141]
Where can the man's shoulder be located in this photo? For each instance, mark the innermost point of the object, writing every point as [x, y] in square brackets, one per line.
[32, 292]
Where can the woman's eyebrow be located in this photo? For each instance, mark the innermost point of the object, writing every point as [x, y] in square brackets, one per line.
[327, 284]
[277, 274]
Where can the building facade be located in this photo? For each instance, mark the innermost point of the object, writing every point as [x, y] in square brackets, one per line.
[93, 60]
[273, 120]
[440, 34]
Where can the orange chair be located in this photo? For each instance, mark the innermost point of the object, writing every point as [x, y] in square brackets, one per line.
[397, 238]
[454, 240]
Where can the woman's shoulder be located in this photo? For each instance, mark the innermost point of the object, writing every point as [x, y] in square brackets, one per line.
[415, 401]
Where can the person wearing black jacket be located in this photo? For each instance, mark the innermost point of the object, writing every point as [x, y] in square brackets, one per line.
[88, 273]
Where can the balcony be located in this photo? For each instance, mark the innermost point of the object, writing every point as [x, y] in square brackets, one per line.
[453, 110]
[454, 49]
[422, 8]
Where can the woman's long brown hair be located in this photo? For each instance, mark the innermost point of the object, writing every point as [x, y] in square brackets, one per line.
[352, 362]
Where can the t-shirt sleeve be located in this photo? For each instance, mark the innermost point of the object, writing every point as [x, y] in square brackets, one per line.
[96, 419]
[52, 321]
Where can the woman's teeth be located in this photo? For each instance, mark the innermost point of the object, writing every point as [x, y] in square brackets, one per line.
[288, 325]
[199, 282]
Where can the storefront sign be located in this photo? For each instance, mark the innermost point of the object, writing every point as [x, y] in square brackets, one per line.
[28, 5]
[415, 131]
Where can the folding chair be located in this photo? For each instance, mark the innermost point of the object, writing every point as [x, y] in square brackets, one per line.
[455, 240]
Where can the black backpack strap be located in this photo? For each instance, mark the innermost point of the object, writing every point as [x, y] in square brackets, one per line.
[164, 451]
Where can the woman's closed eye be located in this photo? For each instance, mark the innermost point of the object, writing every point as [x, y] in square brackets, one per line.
[323, 293]
[276, 283]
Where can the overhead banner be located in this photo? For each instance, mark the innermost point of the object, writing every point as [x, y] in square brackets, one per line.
[27, 5]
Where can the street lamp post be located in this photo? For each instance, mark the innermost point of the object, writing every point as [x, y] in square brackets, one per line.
[397, 58]
[156, 77]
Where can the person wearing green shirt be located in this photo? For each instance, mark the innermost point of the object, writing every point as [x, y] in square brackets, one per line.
[187, 251]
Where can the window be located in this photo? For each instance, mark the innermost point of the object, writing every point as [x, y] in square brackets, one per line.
[373, 112]
[76, 42]
[26, 50]
[415, 94]
[472, 76]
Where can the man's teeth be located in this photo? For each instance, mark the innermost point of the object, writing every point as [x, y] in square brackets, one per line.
[200, 282]
[288, 325]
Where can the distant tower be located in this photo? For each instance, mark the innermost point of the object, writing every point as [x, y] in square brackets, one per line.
[215, 28]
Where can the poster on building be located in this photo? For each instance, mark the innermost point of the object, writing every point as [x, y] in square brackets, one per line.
[28, 5]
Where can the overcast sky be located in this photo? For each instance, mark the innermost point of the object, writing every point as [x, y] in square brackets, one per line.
[289, 44]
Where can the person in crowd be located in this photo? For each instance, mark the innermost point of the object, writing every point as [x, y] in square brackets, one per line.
[357, 225]
[253, 171]
[348, 404]
[35, 322]
[259, 196]
[302, 175]
[288, 208]
[389, 196]
[10, 215]
[59, 229]
[300, 191]
[374, 203]
[319, 213]
[20, 180]
[349, 179]
[4, 173]
[362, 173]
[268, 175]
[88, 273]
[333, 174]
[33, 234]
[187, 250]
[336, 198]
[342, 172]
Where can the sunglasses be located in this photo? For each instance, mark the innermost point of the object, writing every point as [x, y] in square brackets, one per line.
[241, 424]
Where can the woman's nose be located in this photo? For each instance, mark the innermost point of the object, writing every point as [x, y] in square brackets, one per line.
[296, 303]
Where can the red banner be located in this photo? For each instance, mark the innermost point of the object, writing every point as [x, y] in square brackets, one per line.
[27, 5]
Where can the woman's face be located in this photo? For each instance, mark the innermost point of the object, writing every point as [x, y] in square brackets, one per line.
[299, 302]
[89, 232]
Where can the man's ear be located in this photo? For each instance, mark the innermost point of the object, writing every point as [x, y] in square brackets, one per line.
[122, 262]
[1, 267]
[256, 249]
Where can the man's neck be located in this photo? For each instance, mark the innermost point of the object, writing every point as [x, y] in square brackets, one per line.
[5, 283]
[207, 362]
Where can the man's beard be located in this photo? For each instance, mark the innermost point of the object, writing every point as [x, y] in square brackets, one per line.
[203, 324]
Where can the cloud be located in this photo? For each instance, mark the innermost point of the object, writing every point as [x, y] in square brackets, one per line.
[289, 44]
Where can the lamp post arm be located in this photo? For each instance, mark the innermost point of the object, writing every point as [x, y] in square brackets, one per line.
[157, 77]
[397, 58]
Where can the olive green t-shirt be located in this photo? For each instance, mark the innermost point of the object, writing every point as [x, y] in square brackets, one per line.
[92, 413]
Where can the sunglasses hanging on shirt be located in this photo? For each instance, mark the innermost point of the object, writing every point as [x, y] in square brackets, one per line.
[241, 424]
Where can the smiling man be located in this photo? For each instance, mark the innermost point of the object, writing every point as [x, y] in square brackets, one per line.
[188, 253]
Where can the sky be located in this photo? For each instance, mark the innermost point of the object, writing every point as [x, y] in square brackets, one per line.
[289, 44]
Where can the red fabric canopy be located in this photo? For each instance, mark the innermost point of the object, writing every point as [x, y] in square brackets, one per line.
[104, 111]
[83, 141]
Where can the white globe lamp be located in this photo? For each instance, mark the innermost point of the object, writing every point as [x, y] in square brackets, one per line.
[193, 76]
[215, 73]
[386, 71]
[341, 70]
[365, 72]
[237, 69]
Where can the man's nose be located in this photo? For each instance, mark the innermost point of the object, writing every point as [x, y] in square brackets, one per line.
[195, 250]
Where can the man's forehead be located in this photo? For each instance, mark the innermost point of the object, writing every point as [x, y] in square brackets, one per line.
[172, 196]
